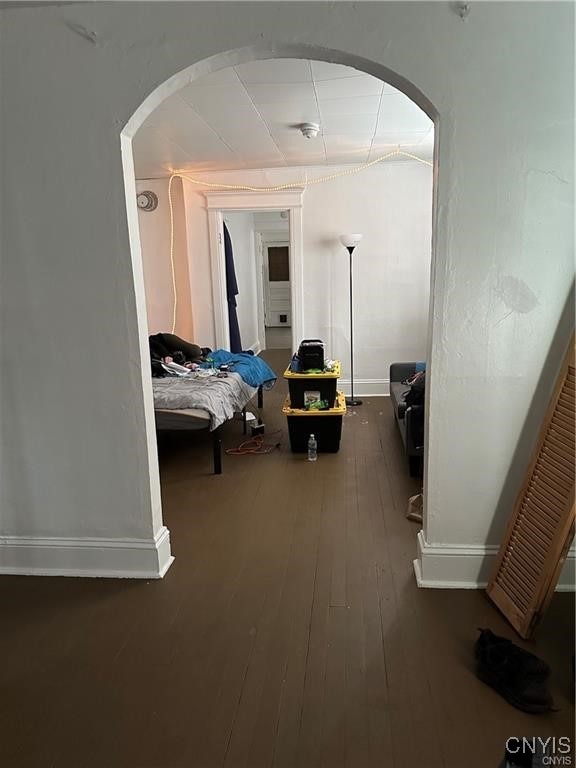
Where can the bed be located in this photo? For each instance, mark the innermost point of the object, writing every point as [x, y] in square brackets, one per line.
[203, 400]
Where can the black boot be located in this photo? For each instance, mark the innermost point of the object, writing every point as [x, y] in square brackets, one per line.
[519, 676]
[532, 664]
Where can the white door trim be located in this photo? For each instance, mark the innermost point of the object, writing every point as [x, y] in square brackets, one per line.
[218, 272]
[288, 199]
[259, 254]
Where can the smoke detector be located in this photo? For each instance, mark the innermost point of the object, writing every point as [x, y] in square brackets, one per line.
[310, 130]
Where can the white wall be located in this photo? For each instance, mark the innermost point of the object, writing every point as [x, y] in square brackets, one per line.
[76, 460]
[391, 204]
[200, 281]
[154, 229]
[241, 229]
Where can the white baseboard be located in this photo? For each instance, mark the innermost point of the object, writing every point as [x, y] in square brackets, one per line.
[469, 567]
[366, 387]
[110, 558]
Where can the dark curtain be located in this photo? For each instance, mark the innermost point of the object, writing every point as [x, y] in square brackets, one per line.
[231, 293]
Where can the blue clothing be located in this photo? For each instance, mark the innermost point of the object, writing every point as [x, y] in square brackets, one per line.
[252, 369]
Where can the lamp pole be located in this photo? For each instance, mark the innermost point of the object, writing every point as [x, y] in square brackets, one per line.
[351, 400]
[350, 242]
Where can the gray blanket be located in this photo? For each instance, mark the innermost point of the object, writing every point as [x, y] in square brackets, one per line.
[221, 398]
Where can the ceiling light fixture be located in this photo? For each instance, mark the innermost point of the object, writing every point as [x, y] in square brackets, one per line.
[310, 130]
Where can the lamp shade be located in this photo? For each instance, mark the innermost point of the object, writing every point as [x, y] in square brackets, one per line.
[350, 241]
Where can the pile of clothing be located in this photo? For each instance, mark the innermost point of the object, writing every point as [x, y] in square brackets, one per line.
[167, 348]
[172, 356]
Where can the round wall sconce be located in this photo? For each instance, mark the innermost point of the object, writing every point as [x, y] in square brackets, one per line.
[147, 201]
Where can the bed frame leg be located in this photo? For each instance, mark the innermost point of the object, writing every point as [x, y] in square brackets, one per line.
[244, 421]
[217, 451]
[260, 397]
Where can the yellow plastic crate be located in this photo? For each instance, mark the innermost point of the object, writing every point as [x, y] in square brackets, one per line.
[324, 383]
[338, 410]
[334, 374]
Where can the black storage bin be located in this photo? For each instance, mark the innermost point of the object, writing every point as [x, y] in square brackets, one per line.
[326, 426]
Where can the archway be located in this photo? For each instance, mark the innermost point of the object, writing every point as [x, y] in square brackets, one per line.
[232, 58]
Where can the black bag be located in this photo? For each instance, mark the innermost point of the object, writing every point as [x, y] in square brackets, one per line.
[311, 354]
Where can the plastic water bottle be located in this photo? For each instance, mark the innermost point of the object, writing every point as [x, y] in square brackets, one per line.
[312, 448]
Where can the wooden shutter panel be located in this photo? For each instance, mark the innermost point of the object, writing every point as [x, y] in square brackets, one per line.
[542, 524]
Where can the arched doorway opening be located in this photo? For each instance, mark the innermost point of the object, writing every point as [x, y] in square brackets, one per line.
[232, 58]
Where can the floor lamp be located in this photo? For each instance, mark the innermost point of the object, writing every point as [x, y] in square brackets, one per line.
[350, 242]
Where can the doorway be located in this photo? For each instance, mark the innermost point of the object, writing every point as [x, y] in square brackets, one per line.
[275, 198]
[260, 252]
[277, 285]
[273, 253]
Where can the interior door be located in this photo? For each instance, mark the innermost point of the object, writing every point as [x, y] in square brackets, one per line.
[277, 299]
[541, 527]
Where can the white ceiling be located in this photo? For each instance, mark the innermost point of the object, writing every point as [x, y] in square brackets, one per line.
[247, 117]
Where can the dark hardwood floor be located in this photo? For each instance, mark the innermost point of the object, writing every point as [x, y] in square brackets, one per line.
[289, 632]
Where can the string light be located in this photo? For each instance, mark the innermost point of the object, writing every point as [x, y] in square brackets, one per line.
[305, 183]
[277, 188]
